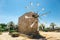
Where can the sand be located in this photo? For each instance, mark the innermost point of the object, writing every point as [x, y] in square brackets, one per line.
[48, 35]
[51, 35]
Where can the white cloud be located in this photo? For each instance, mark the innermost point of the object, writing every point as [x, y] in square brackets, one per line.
[31, 3]
[38, 4]
[43, 9]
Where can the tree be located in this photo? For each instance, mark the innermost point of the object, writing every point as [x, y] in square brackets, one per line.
[52, 25]
[42, 27]
[11, 26]
[0, 28]
[3, 27]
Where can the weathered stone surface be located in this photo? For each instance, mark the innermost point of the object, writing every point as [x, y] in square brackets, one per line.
[24, 24]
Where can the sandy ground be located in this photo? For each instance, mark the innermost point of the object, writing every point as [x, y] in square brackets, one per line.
[51, 35]
[48, 35]
[6, 36]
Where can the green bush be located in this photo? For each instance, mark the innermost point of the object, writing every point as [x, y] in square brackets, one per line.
[14, 34]
[46, 30]
[0, 33]
[10, 31]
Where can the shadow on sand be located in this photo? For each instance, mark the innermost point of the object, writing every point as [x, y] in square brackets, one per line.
[37, 36]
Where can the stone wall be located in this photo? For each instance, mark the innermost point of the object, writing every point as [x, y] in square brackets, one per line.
[24, 24]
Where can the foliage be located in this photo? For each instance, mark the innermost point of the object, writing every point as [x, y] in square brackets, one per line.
[42, 27]
[12, 27]
[3, 27]
[8, 27]
[47, 29]
[14, 34]
[52, 25]
[0, 30]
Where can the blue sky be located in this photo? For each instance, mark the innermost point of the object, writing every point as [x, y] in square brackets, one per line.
[10, 10]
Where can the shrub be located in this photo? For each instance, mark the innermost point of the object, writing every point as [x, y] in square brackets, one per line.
[14, 34]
